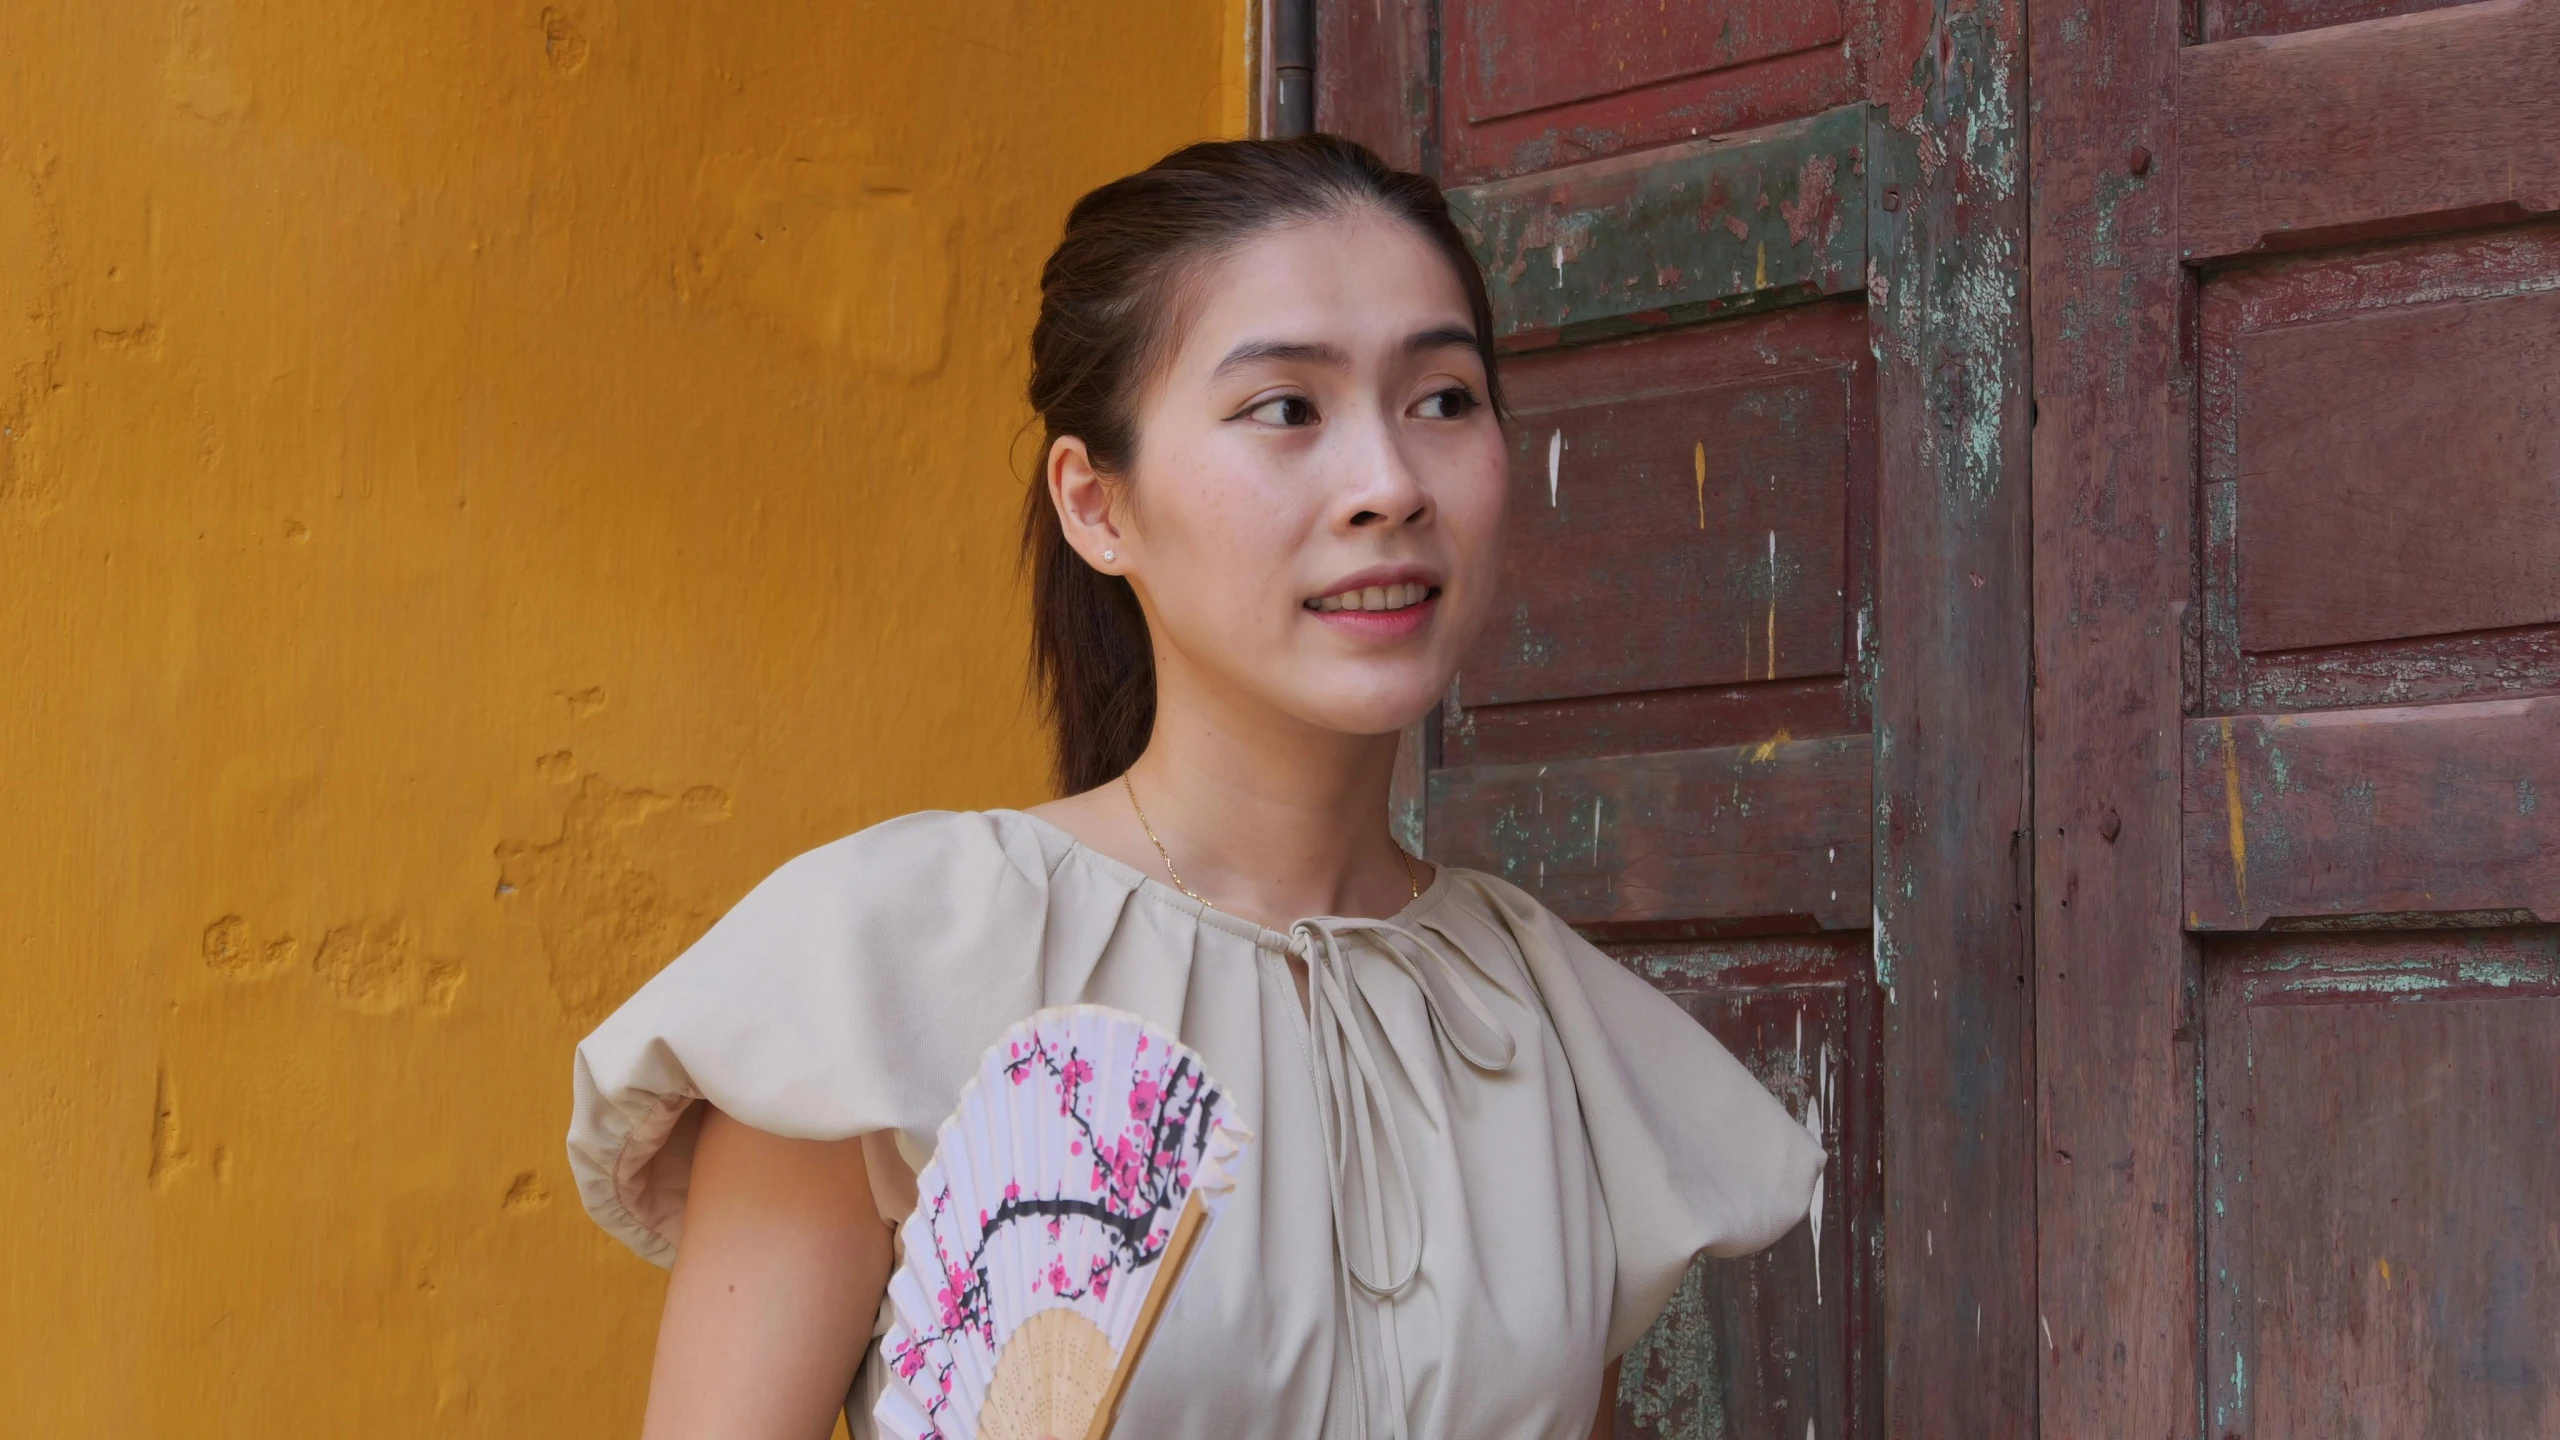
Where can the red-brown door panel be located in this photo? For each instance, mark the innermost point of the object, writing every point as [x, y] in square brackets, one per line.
[1765, 1346]
[2381, 815]
[1744, 838]
[2383, 1184]
[2433, 121]
[1770, 216]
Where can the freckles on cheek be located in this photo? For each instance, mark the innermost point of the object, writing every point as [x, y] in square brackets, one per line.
[1221, 572]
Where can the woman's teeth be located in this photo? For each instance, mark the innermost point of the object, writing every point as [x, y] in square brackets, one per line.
[1376, 597]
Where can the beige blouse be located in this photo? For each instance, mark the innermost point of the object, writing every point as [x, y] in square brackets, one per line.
[1486, 1153]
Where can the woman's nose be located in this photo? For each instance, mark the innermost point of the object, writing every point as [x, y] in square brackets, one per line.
[1381, 484]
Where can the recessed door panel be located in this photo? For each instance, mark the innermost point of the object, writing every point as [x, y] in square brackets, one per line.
[2383, 1142]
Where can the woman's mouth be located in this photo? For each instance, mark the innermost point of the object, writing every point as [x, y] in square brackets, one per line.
[1378, 612]
[1374, 599]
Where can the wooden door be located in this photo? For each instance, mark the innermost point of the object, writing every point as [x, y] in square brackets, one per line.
[1754, 714]
[2297, 483]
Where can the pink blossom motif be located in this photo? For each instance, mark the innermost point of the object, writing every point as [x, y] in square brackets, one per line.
[1122, 1201]
[910, 1359]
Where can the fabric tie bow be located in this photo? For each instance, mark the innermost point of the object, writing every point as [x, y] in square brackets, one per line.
[1365, 1156]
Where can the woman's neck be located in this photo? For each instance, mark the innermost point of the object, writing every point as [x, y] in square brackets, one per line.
[1266, 817]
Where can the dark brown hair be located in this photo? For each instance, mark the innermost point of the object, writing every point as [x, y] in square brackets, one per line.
[1108, 298]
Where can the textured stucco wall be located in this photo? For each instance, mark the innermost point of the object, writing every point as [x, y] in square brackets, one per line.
[479, 485]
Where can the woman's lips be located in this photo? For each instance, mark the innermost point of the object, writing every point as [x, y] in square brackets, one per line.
[1391, 596]
[1383, 624]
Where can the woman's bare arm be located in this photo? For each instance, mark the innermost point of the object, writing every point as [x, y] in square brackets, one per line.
[778, 1278]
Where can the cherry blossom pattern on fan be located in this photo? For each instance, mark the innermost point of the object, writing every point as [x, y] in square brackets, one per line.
[1057, 1182]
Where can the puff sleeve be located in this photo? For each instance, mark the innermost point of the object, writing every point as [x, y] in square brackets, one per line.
[1693, 1153]
[850, 993]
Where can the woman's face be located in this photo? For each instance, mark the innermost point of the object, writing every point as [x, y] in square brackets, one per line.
[1314, 519]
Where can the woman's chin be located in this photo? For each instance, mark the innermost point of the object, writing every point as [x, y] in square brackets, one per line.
[1371, 704]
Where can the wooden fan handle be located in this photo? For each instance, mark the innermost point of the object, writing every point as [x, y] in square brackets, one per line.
[1177, 1254]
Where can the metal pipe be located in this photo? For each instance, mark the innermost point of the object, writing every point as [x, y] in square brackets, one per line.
[1293, 67]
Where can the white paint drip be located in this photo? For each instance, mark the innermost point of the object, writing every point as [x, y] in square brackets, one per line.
[1813, 1126]
[1559, 267]
[1595, 829]
[1555, 462]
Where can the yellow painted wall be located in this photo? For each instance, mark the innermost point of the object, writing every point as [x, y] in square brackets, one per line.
[480, 484]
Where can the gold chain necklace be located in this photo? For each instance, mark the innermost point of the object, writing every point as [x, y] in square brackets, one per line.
[1410, 878]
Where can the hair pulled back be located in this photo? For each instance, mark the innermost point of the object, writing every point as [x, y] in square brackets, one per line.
[1108, 297]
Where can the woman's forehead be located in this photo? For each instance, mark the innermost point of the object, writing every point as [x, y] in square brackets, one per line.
[1355, 287]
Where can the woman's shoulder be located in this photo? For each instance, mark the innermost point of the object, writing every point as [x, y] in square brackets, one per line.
[1693, 1152]
[849, 992]
[923, 899]
[920, 858]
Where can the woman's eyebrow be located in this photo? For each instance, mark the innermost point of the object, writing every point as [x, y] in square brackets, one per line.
[1440, 337]
[1333, 357]
[1309, 351]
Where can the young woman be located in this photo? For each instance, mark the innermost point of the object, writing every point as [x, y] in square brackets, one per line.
[1268, 522]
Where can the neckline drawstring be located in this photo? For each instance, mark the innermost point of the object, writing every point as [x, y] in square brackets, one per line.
[1364, 1146]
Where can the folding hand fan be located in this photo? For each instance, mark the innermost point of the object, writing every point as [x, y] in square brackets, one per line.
[1088, 1155]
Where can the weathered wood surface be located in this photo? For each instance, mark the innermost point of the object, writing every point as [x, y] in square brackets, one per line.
[2383, 814]
[1605, 697]
[1374, 79]
[2114, 460]
[2380, 437]
[2398, 474]
[1668, 236]
[2453, 667]
[1652, 720]
[1952, 668]
[1512, 56]
[1732, 840]
[2383, 1127]
[2234, 19]
[1766, 1345]
[2434, 121]
[1408, 801]
[1538, 84]
[1682, 538]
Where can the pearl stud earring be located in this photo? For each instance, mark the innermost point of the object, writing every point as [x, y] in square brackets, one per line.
[1110, 555]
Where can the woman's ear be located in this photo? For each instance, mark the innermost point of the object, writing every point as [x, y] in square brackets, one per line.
[1083, 500]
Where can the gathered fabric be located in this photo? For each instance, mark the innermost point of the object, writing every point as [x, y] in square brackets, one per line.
[1365, 1158]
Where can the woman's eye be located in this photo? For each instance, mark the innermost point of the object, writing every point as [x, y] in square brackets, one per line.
[1448, 404]
[1284, 410]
